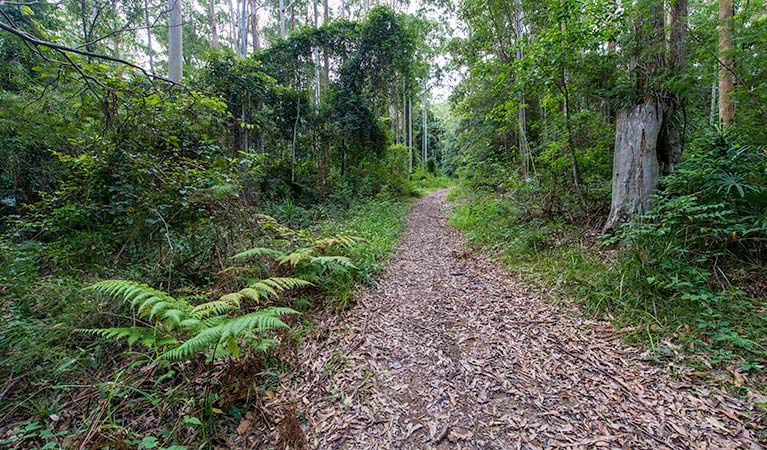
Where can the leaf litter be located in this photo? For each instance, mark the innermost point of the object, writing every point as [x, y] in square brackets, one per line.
[447, 351]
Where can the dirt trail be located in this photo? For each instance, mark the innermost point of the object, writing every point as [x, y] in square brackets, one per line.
[448, 351]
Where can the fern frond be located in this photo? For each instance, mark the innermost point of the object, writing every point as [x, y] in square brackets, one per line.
[132, 292]
[259, 251]
[146, 336]
[226, 333]
[281, 284]
[269, 222]
[215, 307]
[342, 261]
[296, 257]
[325, 243]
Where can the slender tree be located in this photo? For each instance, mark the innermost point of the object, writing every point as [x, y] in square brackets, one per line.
[213, 24]
[149, 50]
[175, 43]
[726, 100]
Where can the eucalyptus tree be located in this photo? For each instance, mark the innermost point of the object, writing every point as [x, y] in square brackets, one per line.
[175, 41]
[648, 142]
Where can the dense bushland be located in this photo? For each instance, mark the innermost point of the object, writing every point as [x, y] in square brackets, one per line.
[541, 132]
[165, 244]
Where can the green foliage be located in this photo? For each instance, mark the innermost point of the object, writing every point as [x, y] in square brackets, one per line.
[708, 225]
[181, 330]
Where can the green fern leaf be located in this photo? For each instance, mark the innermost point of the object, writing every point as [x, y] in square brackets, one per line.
[221, 334]
[296, 257]
[259, 251]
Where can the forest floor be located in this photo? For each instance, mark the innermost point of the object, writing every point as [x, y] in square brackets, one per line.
[448, 351]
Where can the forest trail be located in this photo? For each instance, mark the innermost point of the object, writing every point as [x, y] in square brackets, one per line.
[449, 352]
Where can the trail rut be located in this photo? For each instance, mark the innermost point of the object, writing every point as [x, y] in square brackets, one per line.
[448, 351]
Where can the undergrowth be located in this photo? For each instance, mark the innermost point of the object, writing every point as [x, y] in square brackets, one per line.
[686, 280]
[67, 390]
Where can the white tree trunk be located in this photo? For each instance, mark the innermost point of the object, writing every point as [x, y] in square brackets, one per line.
[636, 166]
[282, 19]
[243, 29]
[213, 24]
[175, 42]
[425, 146]
[150, 51]
[410, 130]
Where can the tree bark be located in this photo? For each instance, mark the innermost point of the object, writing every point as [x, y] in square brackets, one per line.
[282, 19]
[410, 130]
[213, 24]
[243, 51]
[254, 25]
[150, 51]
[636, 170]
[325, 56]
[175, 42]
[726, 101]
[644, 138]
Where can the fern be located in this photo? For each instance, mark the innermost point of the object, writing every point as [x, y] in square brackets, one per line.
[226, 334]
[146, 336]
[205, 327]
[340, 261]
[259, 251]
[326, 243]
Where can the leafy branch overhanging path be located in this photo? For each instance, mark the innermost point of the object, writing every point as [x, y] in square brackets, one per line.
[447, 351]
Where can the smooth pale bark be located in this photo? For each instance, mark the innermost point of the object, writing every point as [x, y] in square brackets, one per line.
[175, 42]
[254, 25]
[343, 9]
[424, 132]
[282, 19]
[726, 100]
[213, 24]
[243, 47]
[524, 146]
[410, 130]
[713, 111]
[292, 16]
[150, 51]
[636, 169]
[325, 56]
[232, 26]
[317, 64]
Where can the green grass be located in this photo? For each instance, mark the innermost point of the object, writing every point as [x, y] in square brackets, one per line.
[380, 222]
[552, 254]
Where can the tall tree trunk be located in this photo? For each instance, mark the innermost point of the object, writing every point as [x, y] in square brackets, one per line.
[343, 9]
[424, 132]
[175, 42]
[410, 130]
[637, 161]
[292, 16]
[726, 101]
[243, 51]
[85, 15]
[316, 51]
[232, 26]
[677, 54]
[524, 147]
[213, 24]
[150, 51]
[254, 25]
[325, 56]
[282, 19]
